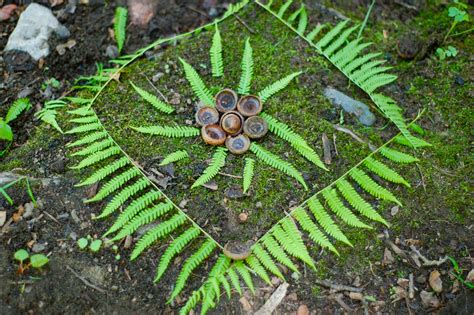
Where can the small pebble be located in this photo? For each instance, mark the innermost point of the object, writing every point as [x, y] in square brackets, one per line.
[111, 52]
[302, 310]
[243, 217]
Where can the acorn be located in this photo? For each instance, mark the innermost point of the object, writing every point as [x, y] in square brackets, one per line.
[232, 122]
[213, 134]
[238, 145]
[255, 127]
[207, 116]
[226, 100]
[249, 105]
[236, 250]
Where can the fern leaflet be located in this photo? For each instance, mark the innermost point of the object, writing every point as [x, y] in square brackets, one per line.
[384, 171]
[234, 279]
[97, 146]
[174, 157]
[104, 172]
[370, 186]
[89, 138]
[255, 265]
[85, 128]
[247, 69]
[97, 157]
[218, 161]
[273, 88]
[248, 173]
[153, 100]
[289, 237]
[171, 132]
[198, 86]
[266, 260]
[276, 251]
[217, 63]
[120, 23]
[342, 211]
[115, 183]
[17, 108]
[245, 274]
[284, 8]
[397, 156]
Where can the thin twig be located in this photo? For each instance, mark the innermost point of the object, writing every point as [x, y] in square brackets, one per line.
[244, 24]
[156, 89]
[230, 175]
[51, 217]
[85, 281]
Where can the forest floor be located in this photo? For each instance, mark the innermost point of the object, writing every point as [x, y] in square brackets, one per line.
[436, 221]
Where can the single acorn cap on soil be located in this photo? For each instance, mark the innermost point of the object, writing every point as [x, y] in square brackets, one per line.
[232, 122]
[238, 145]
[249, 105]
[236, 250]
[255, 127]
[207, 116]
[213, 135]
[226, 100]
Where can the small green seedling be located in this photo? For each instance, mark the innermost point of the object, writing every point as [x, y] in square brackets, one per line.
[19, 106]
[459, 15]
[36, 261]
[53, 82]
[3, 190]
[444, 53]
[82, 243]
[458, 273]
[95, 246]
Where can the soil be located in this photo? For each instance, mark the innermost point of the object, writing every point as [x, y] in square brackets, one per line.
[436, 218]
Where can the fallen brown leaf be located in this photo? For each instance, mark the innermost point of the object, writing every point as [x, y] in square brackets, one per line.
[429, 299]
[435, 281]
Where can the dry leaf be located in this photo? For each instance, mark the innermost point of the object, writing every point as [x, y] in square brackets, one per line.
[435, 281]
[429, 299]
[3, 217]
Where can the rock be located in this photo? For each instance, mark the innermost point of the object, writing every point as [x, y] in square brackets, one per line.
[459, 80]
[16, 60]
[350, 105]
[302, 310]
[421, 279]
[394, 210]
[234, 192]
[435, 281]
[28, 210]
[111, 52]
[33, 30]
[38, 247]
[429, 299]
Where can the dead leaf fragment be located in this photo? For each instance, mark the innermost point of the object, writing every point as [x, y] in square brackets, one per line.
[245, 304]
[387, 257]
[3, 217]
[435, 281]
[429, 299]
[302, 310]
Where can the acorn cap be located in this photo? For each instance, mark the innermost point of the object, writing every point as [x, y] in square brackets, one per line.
[226, 100]
[213, 134]
[238, 144]
[255, 127]
[232, 122]
[249, 105]
[236, 250]
[207, 116]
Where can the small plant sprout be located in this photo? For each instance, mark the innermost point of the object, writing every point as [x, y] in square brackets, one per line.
[3, 189]
[19, 106]
[82, 243]
[444, 53]
[36, 261]
[95, 246]
[459, 15]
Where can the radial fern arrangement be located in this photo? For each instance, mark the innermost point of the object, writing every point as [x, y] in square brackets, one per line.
[233, 121]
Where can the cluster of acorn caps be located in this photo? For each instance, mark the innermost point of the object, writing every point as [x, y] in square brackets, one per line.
[233, 121]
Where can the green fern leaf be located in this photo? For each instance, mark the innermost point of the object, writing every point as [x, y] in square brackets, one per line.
[171, 132]
[49, 117]
[314, 232]
[144, 217]
[133, 209]
[89, 138]
[397, 156]
[174, 157]
[303, 21]
[97, 157]
[217, 63]
[120, 24]
[115, 183]
[289, 237]
[174, 249]
[198, 86]
[337, 206]
[357, 62]
[277, 252]
[278, 163]
[218, 161]
[156, 233]
[153, 100]
[191, 303]
[79, 100]
[370, 186]
[192, 263]
[284, 8]
[19, 106]
[248, 173]
[312, 35]
[125, 194]
[82, 111]
[339, 41]
[226, 286]
[245, 274]
[255, 265]
[295, 140]
[325, 220]
[247, 69]
[104, 172]
[356, 201]
[85, 128]
[84, 120]
[212, 285]
[331, 35]
[273, 88]
[96, 146]
[266, 260]
[348, 53]
[376, 81]
[234, 279]
[384, 171]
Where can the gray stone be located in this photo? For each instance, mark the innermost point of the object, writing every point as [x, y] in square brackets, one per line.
[350, 105]
[33, 30]
[111, 52]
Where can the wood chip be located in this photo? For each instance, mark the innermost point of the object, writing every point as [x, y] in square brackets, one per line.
[272, 303]
[327, 149]
[356, 296]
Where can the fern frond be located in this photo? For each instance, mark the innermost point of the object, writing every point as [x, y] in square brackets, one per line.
[331, 35]
[120, 24]
[174, 157]
[234, 279]
[225, 283]
[49, 117]
[85, 128]
[171, 132]
[337, 206]
[325, 220]
[314, 232]
[144, 217]
[211, 287]
[175, 248]
[104, 172]
[133, 209]
[348, 53]
[255, 265]
[79, 100]
[303, 21]
[276, 86]
[339, 41]
[384, 171]
[217, 63]
[218, 161]
[397, 156]
[277, 252]
[153, 100]
[315, 31]
[370, 186]
[125, 194]
[157, 232]
[288, 235]
[295, 140]
[84, 120]
[245, 274]
[284, 8]
[97, 157]
[376, 81]
[276, 162]
[115, 183]
[81, 111]
[17, 108]
[266, 260]
[356, 201]
[191, 303]
[248, 173]
[94, 147]
[357, 62]
[197, 84]
[192, 263]
[247, 69]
